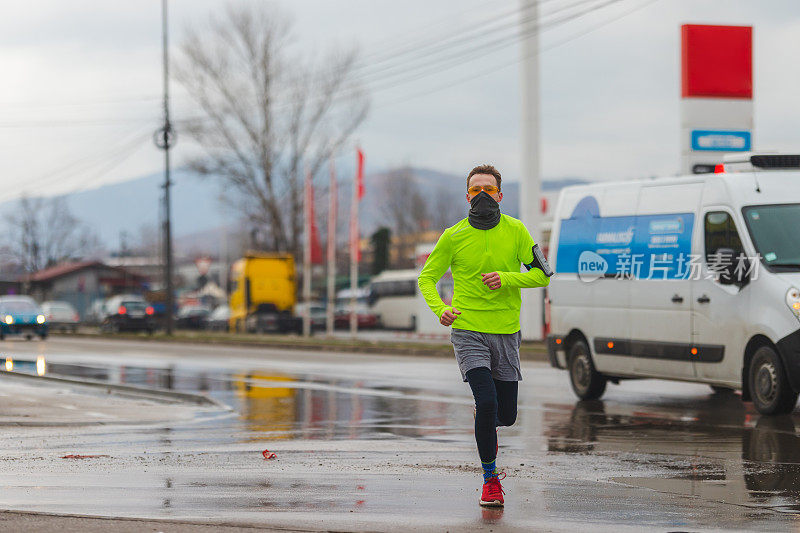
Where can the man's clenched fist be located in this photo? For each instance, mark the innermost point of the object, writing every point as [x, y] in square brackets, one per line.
[449, 316]
[491, 280]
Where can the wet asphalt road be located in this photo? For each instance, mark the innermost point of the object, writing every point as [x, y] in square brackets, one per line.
[384, 443]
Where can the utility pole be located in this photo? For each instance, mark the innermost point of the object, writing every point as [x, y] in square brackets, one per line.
[165, 139]
[530, 180]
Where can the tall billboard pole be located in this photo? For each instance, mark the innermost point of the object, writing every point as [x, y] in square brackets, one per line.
[530, 180]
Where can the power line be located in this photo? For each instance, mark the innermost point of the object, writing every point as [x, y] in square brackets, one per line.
[455, 60]
[391, 51]
[496, 35]
[123, 156]
[428, 48]
[87, 163]
[147, 98]
[60, 123]
[439, 64]
[485, 73]
[425, 56]
[81, 103]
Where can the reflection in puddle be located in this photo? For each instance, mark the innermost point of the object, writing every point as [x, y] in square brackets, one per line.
[281, 406]
[287, 407]
[491, 515]
[718, 453]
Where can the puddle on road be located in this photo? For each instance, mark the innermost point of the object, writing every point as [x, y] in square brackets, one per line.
[712, 447]
[719, 450]
[273, 406]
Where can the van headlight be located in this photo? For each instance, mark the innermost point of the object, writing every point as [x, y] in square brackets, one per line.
[9, 319]
[793, 300]
[40, 319]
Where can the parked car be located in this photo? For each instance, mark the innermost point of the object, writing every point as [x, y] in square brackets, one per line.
[128, 313]
[61, 316]
[318, 317]
[96, 312]
[218, 319]
[21, 315]
[191, 317]
[365, 317]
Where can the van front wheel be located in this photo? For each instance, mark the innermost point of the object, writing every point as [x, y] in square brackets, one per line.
[769, 387]
[587, 383]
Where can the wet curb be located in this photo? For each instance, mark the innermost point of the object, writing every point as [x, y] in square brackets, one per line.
[533, 351]
[91, 523]
[162, 395]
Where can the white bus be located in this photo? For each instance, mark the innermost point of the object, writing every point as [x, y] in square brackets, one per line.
[393, 297]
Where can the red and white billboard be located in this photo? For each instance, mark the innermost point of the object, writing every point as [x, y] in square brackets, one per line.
[717, 93]
[717, 61]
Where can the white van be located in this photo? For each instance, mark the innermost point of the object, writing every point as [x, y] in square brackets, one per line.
[694, 278]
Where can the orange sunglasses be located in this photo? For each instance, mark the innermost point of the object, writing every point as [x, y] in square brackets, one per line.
[475, 189]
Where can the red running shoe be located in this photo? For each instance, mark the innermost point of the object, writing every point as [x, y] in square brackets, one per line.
[493, 491]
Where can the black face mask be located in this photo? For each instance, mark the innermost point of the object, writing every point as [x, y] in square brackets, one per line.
[484, 212]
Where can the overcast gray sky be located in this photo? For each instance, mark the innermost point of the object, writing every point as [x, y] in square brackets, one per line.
[81, 90]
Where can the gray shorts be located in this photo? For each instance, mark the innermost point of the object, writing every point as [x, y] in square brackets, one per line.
[499, 352]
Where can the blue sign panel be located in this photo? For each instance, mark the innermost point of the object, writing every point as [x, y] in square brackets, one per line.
[720, 141]
[643, 246]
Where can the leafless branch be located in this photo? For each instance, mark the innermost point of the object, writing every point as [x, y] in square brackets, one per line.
[268, 116]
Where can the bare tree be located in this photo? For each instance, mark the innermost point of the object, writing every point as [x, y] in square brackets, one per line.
[268, 116]
[445, 210]
[147, 241]
[45, 232]
[407, 212]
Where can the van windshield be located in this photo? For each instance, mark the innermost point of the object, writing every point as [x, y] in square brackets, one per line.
[773, 229]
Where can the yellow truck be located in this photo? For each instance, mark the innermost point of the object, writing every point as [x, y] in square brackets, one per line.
[263, 294]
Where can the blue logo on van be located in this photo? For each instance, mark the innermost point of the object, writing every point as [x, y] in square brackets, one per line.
[591, 266]
[638, 246]
[673, 225]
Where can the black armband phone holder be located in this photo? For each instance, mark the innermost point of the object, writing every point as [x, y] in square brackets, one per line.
[540, 262]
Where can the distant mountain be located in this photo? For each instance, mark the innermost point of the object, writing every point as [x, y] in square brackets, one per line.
[433, 183]
[198, 217]
[129, 205]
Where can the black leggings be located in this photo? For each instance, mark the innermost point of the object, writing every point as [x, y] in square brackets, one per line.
[495, 405]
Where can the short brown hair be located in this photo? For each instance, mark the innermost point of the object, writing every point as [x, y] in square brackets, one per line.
[485, 169]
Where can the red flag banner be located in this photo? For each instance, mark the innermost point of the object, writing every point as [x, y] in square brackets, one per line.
[355, 248]
[333, 205]
[311, 224]
[360, 172]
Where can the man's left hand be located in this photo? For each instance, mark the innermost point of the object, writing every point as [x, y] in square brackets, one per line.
[491, 280]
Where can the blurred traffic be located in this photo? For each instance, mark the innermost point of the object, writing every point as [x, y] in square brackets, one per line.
[262, 300]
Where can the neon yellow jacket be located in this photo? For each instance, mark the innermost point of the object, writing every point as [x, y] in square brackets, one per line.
[470, 252]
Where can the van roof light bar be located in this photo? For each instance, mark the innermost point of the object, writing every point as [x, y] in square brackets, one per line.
[766, 161]
[776, 161]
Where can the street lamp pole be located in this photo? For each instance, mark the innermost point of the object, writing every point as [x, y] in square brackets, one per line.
[165, 139]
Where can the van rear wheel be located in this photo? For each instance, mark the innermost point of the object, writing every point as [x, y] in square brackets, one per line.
[770, 389]
[587, 383]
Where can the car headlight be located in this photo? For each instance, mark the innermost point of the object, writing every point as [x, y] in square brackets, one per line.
[9, 319]
[40, 319]
[793, 300]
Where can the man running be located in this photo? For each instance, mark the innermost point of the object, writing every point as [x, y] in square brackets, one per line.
[484, 252]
